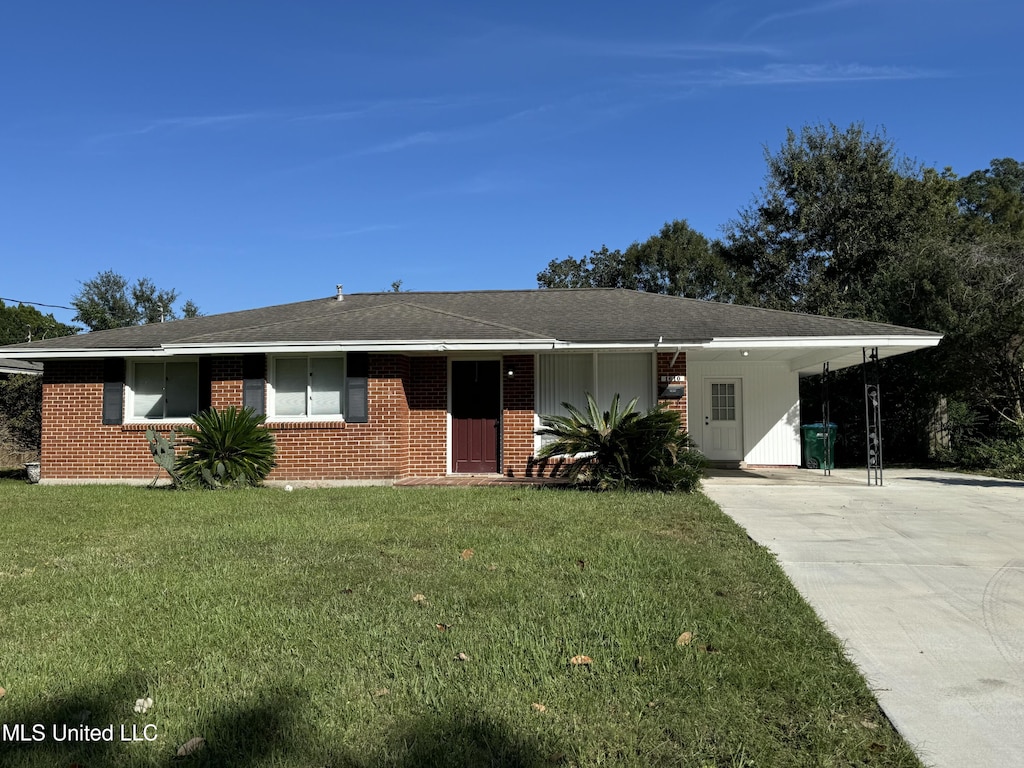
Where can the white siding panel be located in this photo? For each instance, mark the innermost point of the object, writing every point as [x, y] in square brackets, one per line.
[564, 379]
[625, 374]
[771, 408]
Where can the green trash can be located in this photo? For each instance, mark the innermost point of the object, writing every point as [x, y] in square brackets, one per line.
[814, 446]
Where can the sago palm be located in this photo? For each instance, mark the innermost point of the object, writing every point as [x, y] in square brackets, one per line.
[229, 447]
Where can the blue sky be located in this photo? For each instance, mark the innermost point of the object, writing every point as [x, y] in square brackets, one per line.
[253, 153]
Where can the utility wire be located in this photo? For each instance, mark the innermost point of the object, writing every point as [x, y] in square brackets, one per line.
[36, 303]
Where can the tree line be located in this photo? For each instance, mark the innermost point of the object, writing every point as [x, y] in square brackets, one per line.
[846, 226]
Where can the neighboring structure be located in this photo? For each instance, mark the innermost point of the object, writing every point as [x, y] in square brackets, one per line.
[382, 386]
[11, 367]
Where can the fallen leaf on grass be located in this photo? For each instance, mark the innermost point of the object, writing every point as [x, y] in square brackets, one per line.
[684, 639]
[461, 657]
[492, 567]
[709, 648]
[539, 707]
[381, 692]
[869, 725]
[346, 591]
[443, 627]
[581, 564]
[3, 692]
[421, 599]
[874, 746]
[466, 554]
[191, 746]
[581, 660]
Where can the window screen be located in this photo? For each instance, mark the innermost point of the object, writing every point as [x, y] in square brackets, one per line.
[149, 391]
[290, 386]
[165, 390]
[326, 385]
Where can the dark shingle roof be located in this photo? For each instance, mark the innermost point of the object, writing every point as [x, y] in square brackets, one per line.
[611, 316]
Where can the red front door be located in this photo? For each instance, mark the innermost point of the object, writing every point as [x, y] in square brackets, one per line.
[476, 415]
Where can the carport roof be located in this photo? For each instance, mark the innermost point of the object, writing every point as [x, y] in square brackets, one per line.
[518, 319]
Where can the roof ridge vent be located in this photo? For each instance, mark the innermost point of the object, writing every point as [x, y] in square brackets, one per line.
[341, 292]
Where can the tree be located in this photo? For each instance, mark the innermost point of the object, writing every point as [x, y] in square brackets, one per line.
[993, 199]
[19, 323]
[836, 208]
[678, 261]
[21, 396]
[109, 301]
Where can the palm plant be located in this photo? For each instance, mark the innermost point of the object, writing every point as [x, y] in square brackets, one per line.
[622, 448]
[229, 447]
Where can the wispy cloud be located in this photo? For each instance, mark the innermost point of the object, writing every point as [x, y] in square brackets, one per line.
[367, 109]
[468, 132]
[791, 74]
[808, 10]
[171, 124]
[516, 40]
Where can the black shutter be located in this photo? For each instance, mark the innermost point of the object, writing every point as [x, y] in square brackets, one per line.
[357, 369]
[254, 371]
[205, 399]
[113, 390]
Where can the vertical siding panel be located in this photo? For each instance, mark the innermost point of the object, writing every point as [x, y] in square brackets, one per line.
[771, 408]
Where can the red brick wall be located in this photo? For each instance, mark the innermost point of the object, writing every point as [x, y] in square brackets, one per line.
[75, 442]
[428, 417]
[665, 368]
[517, 414]
[406, 433]
[377, 450]
[226, 383]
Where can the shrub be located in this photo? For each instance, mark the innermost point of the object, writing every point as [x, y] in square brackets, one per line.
[624, 448]
[229, 447]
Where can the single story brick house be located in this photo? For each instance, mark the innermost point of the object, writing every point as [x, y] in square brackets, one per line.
[384, 386]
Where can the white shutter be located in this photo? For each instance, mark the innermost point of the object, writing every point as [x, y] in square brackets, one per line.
[629, 375]
[564, 378]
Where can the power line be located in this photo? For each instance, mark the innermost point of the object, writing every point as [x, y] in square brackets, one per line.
[36, 303]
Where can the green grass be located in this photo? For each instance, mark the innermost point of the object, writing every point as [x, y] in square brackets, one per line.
[282, 628]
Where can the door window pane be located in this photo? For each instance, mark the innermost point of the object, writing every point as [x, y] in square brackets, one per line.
[723, 401]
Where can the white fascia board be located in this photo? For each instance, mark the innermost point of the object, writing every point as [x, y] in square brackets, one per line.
[810, 342]
[74, 354]
[367, 345]
[452, 345]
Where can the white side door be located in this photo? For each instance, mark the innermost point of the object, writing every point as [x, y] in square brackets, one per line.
[723, 420]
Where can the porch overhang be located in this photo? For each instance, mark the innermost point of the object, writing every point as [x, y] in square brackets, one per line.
[806, 355]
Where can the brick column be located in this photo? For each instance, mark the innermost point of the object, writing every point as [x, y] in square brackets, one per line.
[517, 414]
[665, 368]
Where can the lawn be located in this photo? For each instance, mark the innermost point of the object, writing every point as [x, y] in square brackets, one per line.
[413, 627]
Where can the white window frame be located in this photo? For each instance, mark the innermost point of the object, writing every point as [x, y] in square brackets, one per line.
[271, 404]
[129, 399]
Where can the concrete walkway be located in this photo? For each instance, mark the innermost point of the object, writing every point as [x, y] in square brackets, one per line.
[923, 579]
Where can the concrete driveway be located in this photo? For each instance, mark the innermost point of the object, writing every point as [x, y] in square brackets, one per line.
[923, 580]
